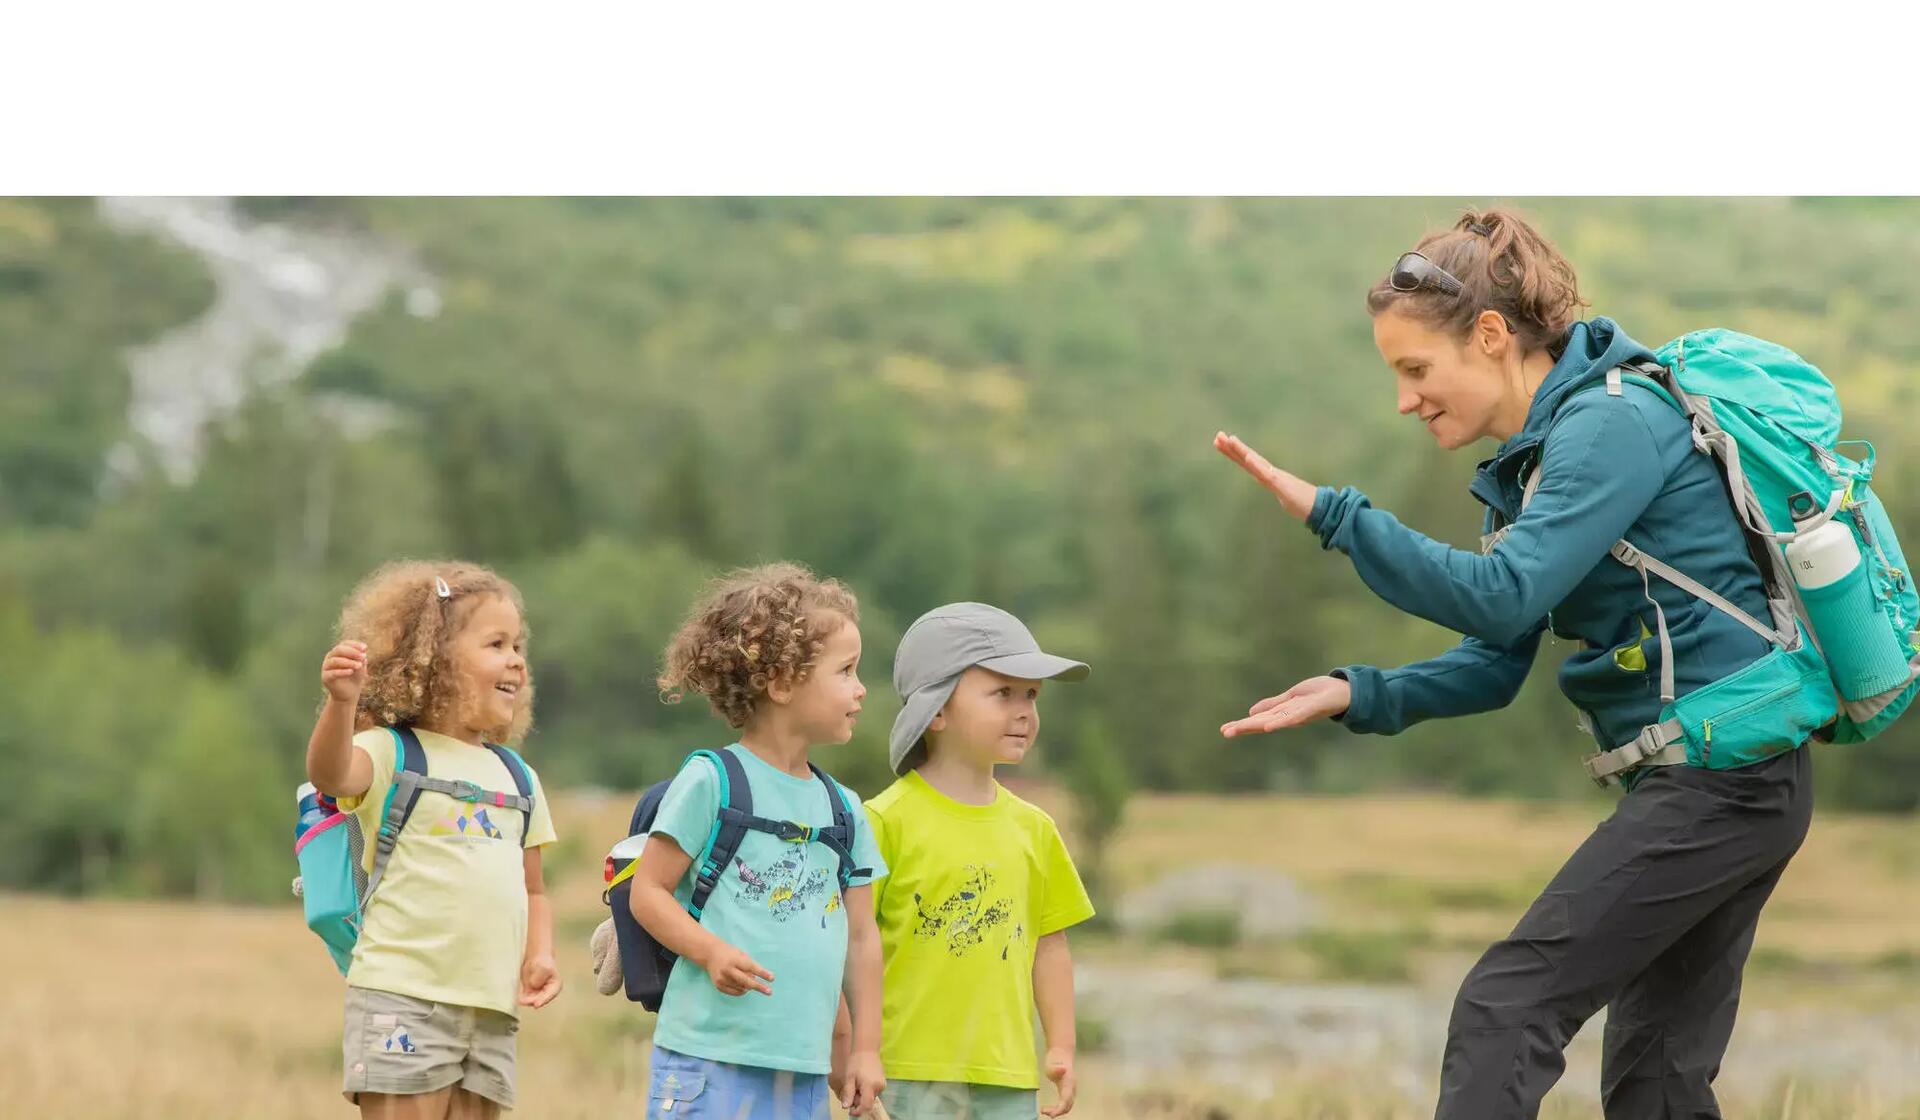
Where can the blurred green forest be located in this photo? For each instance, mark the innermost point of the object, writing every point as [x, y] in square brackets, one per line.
[932, 399]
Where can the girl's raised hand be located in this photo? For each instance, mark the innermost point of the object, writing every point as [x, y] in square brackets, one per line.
[344, 672]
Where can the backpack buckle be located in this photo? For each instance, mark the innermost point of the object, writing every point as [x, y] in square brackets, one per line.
[794, 833]
[464, 790]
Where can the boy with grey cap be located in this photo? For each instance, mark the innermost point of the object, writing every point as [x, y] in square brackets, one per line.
[973, 917]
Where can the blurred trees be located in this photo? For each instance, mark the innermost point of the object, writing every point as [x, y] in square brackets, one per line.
[932, 399]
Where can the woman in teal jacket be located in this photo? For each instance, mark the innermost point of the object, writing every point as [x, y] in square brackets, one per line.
[1653, 916]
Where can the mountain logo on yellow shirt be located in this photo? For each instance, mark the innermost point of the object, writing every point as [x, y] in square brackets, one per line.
[467, 819]
[968, 918]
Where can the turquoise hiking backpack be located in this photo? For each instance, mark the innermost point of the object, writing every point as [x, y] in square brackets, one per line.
[1846, 658]
[334, 885]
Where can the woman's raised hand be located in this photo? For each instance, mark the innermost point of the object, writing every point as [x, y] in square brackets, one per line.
[1295, 494]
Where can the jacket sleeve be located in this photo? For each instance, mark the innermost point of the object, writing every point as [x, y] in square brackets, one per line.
[1474, 676]
[1599, 469]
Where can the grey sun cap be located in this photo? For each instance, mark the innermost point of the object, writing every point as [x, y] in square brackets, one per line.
[946, 642]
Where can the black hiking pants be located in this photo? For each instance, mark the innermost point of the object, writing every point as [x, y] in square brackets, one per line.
[1652, 918]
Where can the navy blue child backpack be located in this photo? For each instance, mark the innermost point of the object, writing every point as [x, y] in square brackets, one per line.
[645, 964]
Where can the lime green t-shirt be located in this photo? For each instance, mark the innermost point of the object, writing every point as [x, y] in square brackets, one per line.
[971, 890]
[449, 922]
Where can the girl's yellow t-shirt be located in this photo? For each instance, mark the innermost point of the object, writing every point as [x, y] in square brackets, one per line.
[449, 921]
[970, 891]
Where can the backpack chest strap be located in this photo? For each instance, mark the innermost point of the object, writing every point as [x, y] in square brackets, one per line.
[474, 793]
[836, 838]
[1491, 541]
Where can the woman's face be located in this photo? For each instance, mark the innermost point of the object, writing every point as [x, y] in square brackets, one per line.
[1457, 389]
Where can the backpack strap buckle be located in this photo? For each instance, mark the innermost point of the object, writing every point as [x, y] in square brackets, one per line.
[1659, 744]
[793, 832]
[464, 790]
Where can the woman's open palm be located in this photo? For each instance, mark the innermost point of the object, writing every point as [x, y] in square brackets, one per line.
[1315, 698]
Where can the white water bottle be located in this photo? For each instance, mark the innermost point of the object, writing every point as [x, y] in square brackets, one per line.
[1856, 636]
[1824, 556]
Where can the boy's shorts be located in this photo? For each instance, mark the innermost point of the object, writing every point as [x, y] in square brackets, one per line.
[958, 1100]
[399, 1044]
[681, 1086]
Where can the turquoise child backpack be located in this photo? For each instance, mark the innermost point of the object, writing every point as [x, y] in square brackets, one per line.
[1846, 657]
[334, 884]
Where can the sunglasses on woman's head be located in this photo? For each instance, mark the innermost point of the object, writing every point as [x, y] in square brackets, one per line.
[1413, 272]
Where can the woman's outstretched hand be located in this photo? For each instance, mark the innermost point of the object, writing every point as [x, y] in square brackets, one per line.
[1312, 699]
[1296, 494]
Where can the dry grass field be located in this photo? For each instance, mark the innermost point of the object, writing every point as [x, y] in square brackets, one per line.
[173, 1010]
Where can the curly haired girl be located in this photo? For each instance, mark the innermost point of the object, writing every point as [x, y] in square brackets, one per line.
[430, 673]
[777, 653]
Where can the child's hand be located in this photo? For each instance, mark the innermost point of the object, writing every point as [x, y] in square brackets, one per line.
[1060, 1072]
[735, 973]
[866, 1080]
[539, 980]
[344, 672]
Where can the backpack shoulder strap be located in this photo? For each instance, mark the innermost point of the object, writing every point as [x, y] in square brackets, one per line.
[1650, 375]
[839, 836]
[403, 793]
[1615, 380]
[1667, 387]
[1617, 376]
[1497, 524]
[522, 781]
[729, 829]
[410, 754]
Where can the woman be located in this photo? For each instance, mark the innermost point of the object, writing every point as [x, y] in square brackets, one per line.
[1654, 914]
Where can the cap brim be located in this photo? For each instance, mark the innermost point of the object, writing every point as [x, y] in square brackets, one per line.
[1038, 666]
[915, 715]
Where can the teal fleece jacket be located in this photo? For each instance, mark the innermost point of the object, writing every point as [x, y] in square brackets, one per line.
[1610, 467]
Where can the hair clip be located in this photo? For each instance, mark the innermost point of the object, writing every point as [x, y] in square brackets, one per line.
[441, 589]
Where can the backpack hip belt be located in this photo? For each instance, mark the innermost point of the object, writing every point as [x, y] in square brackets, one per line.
[1658, 744]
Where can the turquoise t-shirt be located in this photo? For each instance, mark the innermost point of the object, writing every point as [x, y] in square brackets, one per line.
[780, 902]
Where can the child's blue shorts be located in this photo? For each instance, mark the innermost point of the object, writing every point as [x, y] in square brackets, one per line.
[688, 1088]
